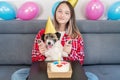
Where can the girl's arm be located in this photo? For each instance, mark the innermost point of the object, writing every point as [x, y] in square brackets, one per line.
[77, 51]
[36, 55]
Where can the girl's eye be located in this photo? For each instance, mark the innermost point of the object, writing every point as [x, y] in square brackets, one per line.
[66, 13]
[59, 11]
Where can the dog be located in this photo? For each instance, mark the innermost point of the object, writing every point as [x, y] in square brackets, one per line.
[50, 39]
[54, 47]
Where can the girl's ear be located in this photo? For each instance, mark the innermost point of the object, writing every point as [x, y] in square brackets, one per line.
[42, 37]
[58, 35]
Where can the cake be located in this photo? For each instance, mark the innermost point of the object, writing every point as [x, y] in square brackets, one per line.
[63, 66]
[59, 69]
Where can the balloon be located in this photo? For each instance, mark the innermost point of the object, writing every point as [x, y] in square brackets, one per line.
[73, 2]
[94, 10]
[114, 11]
[54, 7]
[28, 11]
[7, 11]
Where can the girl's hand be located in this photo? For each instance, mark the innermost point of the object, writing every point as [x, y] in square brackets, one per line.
[68, 46]
[42, 47]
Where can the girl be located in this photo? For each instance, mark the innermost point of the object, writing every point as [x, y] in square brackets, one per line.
[64, 22]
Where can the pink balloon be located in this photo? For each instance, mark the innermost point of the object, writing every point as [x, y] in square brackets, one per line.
[94, 10]
[28, 11]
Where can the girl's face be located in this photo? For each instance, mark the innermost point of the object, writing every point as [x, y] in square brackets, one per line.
[63, 14]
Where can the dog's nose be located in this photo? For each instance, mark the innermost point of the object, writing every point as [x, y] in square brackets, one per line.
[49, 43]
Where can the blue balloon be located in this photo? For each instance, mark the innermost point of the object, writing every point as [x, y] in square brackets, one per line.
[7, 11]
[54, 7]
[114, 11]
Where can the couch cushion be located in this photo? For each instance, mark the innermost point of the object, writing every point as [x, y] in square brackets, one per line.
[98, 26]
[19, 26]
[16, 48]
[16, 39]
[102, 48]
[102, 41]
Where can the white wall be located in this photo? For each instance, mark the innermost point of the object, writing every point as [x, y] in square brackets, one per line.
[46, 7]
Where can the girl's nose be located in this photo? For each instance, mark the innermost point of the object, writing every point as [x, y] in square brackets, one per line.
[62, 14]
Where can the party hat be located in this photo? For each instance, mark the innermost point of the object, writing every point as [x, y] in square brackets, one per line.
[73, 2]
[49, 27]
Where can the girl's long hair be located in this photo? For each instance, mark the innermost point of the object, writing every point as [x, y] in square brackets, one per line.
[71, 27]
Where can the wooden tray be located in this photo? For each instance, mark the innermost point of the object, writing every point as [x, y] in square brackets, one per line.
[58, 74]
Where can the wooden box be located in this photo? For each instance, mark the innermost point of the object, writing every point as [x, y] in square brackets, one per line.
[58, 74]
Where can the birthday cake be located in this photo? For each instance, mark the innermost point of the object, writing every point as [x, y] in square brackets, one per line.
[59, 69]
[63, 66]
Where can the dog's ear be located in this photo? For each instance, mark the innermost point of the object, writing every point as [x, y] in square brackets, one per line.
[58, 35]
[42, 37]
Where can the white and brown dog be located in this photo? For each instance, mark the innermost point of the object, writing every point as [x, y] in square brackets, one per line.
[54, 47]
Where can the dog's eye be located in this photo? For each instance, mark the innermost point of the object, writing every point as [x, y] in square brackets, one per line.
[46, 37]
[52, 36]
